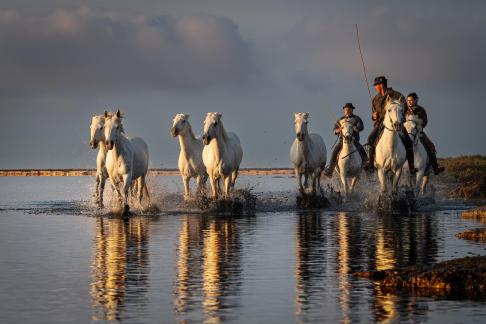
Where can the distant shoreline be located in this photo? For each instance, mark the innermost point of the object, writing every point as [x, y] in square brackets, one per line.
[156, 172]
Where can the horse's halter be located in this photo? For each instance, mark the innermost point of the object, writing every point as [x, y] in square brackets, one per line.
[393, 129]
[348, 137]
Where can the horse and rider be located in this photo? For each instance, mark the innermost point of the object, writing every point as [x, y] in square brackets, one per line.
[349, 116]
[384, 93]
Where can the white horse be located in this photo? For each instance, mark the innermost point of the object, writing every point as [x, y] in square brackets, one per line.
[97, 139]
[390, 150]
[308, 154]
[127, 159]
[421, 159]
[222, 154]
[190, 158]
[349, 160]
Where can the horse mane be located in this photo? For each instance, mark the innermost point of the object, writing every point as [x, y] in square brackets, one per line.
[191, 133]
[223, 131]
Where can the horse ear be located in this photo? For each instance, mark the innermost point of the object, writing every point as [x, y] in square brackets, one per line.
[306, 115]
[106, 114]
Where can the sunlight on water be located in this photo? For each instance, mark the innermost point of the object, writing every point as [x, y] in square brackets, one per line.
[66, 260]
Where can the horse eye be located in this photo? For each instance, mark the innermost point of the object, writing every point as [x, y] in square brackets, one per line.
[216, 124]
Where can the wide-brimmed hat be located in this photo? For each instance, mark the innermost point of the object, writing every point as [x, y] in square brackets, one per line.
[380, 79]
[348, 105]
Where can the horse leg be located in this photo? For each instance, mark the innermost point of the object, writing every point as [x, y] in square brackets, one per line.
[306, 180]
[314, 180]
[102, 190]
[97, 189]
[200, 180]
[227, 185]
[233, 179]
[418, 183]
[382, 178]
[214, 187]
[345, 183]
[185, 181]
[141, 187]
[396, 179]
[354, 180]
[298, 177]
[127, 180]
[425, 182]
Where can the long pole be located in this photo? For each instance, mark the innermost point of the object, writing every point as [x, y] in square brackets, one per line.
[363, 63]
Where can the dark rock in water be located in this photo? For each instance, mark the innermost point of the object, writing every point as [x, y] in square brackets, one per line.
[306, 201]
[459, 278]
[477, 234]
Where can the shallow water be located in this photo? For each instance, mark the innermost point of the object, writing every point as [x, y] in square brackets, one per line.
[63, 261]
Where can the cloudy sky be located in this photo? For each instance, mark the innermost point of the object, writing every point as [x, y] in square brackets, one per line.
[256, 62]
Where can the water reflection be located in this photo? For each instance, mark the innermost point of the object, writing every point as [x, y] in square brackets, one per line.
[119, 266]
[209, 268]
[352, 241]
[310, 262]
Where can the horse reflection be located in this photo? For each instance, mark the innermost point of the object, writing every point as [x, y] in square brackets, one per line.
[400, 241]
[310, 261]
[209, 267]
[119, 266]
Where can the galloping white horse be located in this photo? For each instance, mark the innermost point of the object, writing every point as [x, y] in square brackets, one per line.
[390, 150]
[97, 139]
[308, 154]
[190, 158]
[349, 160]
[222, 154]
[127, 159]
[421, 159]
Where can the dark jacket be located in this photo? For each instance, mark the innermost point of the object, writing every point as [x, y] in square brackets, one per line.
[379, 102]
[357, 122]
[418, 111]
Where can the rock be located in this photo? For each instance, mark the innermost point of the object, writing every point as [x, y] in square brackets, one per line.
[477, 234]
[478, 213]
[465, 277]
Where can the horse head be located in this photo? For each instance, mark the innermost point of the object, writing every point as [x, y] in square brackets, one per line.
[393, 114]
[300, 122]
[113, 128]
[96, 128]
[347, 131]
[212, 127]
[413, 125]
[180, 125]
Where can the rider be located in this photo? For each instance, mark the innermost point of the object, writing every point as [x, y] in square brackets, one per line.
[379, 102]
[415, 110]
[357, 127]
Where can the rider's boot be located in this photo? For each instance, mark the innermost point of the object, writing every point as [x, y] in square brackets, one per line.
[332, 163]
[369, 165]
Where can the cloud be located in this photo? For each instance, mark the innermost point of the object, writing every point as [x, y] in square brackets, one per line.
[86, 50]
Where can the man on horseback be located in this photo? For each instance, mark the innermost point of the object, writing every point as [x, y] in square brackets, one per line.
[415, 110]
[379, 102]
[357, 127]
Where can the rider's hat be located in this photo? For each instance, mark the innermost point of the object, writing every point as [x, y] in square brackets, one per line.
[348, 105]
[380, 79]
